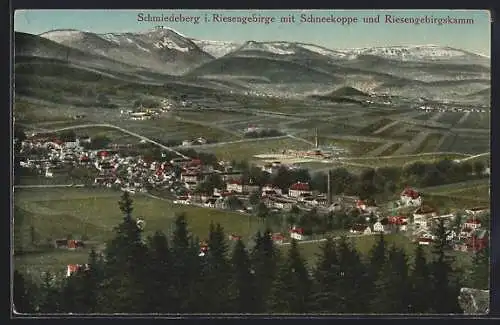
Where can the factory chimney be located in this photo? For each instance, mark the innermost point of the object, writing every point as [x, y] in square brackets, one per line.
[316, 142]
[329, 187]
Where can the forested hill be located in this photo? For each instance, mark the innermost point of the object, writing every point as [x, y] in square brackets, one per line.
[161, 274]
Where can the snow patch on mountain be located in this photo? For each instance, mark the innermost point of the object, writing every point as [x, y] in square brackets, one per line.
[216, 49]
[275, 48]
[408, 53]
[63, 35]
[170, 44]
[323, 51]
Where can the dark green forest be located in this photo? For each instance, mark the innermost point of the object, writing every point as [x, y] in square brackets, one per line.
[164, 273]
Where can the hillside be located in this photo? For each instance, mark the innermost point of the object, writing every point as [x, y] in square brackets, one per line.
[163, 50]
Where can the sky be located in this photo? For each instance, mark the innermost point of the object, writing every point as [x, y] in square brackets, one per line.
[474, 37]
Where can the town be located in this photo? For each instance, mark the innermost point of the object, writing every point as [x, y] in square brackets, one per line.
[191, 181]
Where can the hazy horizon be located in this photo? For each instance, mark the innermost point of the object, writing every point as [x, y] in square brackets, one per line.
[473, 37]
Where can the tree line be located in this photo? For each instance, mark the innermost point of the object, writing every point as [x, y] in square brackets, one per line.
[165, 274]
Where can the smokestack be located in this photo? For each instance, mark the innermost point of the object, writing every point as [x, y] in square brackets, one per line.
[316, 142]
[329, 187]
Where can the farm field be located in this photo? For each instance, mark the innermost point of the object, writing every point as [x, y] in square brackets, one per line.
[430, 143]
[168, 128]
[59, 213]
[476, 121]
[471, 190]
[211, 116]
[247, 151]
[403, 160]
[451, 118]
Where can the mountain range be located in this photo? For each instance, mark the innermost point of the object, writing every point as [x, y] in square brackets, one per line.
[277, 68]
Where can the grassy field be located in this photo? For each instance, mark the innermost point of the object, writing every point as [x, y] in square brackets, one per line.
[247, 150]
[450, 118]
[401, 161]
[368, 130]
[477, 190]
[390, 150]
[430, 143]
[59, 213]
[211, 116]
[476, 121]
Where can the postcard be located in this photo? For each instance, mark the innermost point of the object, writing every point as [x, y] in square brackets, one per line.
[251, 162]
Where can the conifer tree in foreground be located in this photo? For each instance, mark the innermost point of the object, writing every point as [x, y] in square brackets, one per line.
[242, 281]
[480, 277]
[159, 274]
[215, 283]
[291, 291]
[326, 280]
[445, 287]
[126, 260]
[421, 286]
[355, 280]
[185, 269]
[24, 294]
[265, 258]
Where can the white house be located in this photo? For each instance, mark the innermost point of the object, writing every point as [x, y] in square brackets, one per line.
[237, 186]
[477, 211]
[271, 190]
[299, 188]
[472, 224]
[297, 233]
[424, 212]
[378, 227]
[410, 197]
[190, 177]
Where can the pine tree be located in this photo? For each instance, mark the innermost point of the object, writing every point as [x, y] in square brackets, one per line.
[355, 280]
[445, 289]
[420, 284]
[159, 270]
[126, 260]
[243, 292]
[50, 295]
[265, 259]
[326, 279]
[480, 276]
[378, 254]
[24, 294]
[185, 270]
[291, 291]
[215, 286]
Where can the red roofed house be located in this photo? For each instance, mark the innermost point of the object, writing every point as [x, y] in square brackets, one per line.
[278, 238]
[410, 197]
[297, 233]
[361, 205]
[425, 241]
[72, 268]
[234, 237]
[299, 188]
[400, 222]
[478, 240]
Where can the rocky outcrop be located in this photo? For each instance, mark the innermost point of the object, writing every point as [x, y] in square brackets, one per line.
[474, 301]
